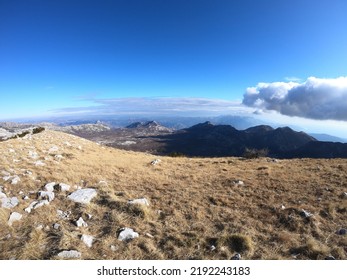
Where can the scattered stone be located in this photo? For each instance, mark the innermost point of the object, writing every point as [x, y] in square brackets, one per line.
[15, 180]
[11, 151]
[67, 144]
[89, 216]
[127, 234]
[142, 201]
[39, 163]
[329, 258]
[6, 178]
[50, 187]
[83, 196]
[238, 183]
[28, 172]
[56, 226]
[2, 195]
[344, 195]
[149, 235]
[342, 231]
[15, 216]
[283, 207]
[39, 227]
[58, 157]
[36, 204]
[212, 248]
[236, 257]
[9, 203]
[81, 223]
[25, 197]
[87, 239]
[64, 187]
[47, 195]
[63, 215]
[113, 248]
[21, 192]
[155, 162]
[305, 214]
[72, 254]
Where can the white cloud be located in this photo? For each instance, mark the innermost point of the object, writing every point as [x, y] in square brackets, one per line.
[321, 99]
[159, 106]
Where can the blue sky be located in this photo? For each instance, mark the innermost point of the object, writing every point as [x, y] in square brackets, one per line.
[60, 55]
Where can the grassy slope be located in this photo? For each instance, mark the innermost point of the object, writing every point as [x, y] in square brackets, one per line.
[193, 204]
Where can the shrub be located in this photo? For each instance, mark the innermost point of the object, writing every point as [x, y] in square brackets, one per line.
[255, 153]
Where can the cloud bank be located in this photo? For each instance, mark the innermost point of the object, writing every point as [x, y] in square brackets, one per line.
[320, 99]
[157, 106]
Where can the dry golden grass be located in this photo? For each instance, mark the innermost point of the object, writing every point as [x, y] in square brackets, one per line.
[196, 210]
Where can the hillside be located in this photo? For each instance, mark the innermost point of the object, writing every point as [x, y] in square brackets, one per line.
[194, 208]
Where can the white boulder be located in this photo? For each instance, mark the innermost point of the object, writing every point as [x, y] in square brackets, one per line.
[83, 196]
[15, 216]
[127, 234]
[142, 201]
[9, 202]
[64, 187]
[50, 187]
[81, 223]
[72, 254]
[87, 239]
[15, 180]
[47, 195]
[36, 204]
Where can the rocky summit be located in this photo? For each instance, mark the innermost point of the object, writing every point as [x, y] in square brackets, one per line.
[65, 197]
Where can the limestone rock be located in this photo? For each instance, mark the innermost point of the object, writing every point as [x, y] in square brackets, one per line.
[305, 214]
[15, 216]
[15, 180]
[155, 162]
[36, 204]
[81, 223]
[50, 187]
[47, 195]
[64, 215]
[72, 254]
[64, 187]
[87, 239]
[142, 201]
[83, 196]
[127, 234]
[8, 202]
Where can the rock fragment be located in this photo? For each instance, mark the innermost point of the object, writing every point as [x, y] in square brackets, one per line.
[15, 216]
[87, 239]
[36, 204]
[71, 254]
[81, 223]
[127, 234]
[141, 201]
[64, 215]
[64, 187]
[305, 214]
[50, 187]
[83, 196]
[155, 162]
[9, 202]
[47, 195]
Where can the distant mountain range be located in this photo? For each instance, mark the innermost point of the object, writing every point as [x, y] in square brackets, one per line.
[200, 140]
